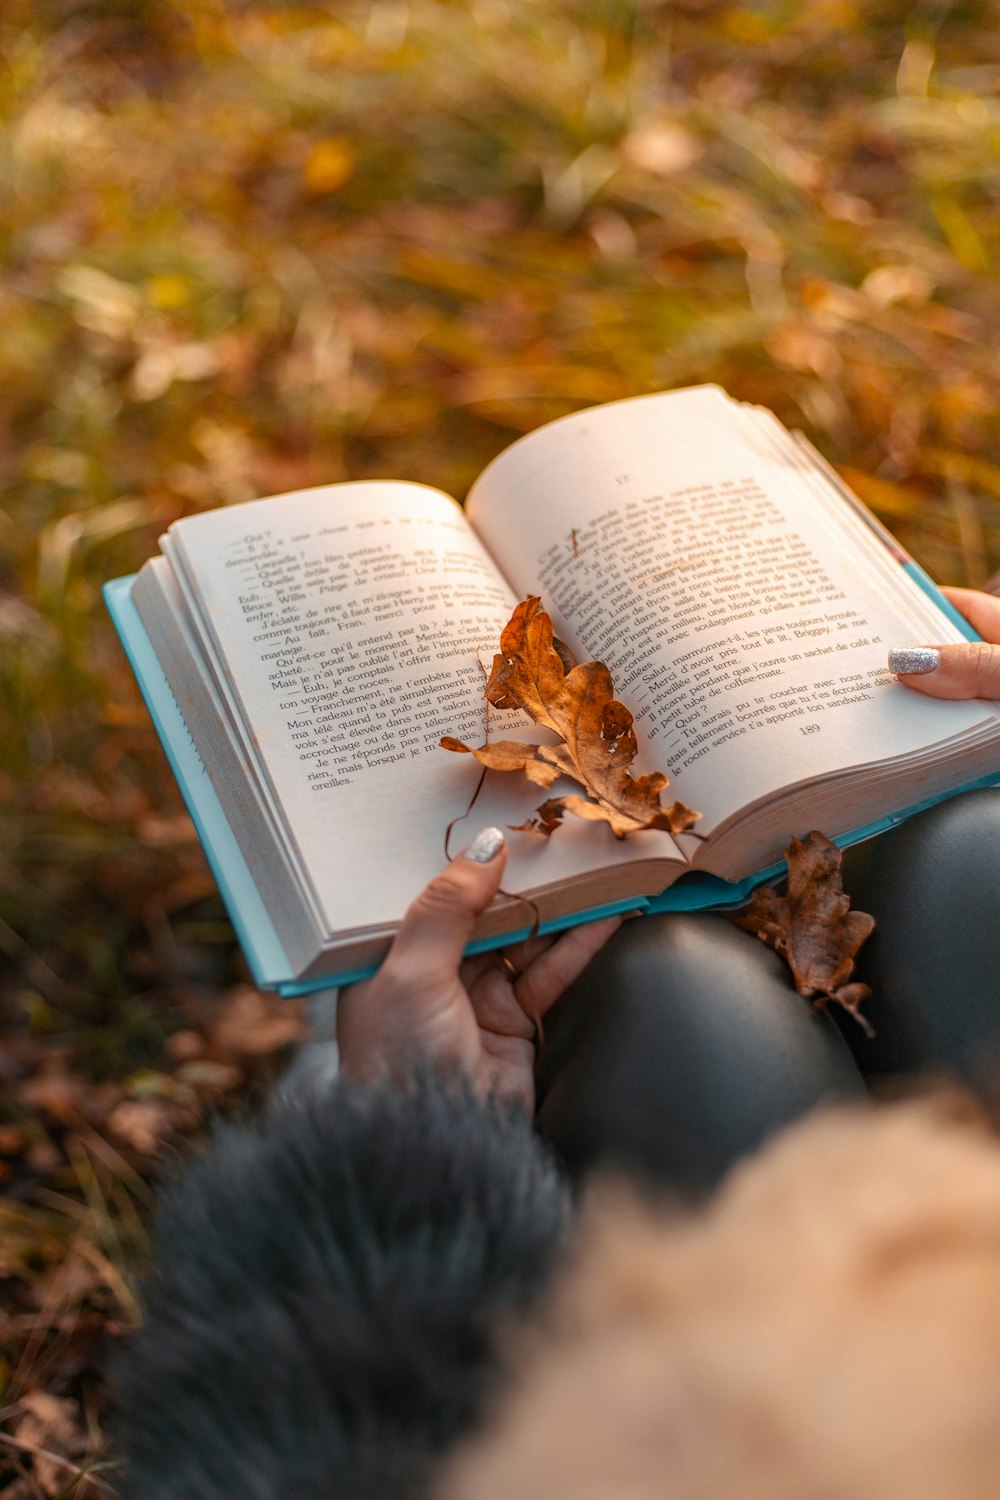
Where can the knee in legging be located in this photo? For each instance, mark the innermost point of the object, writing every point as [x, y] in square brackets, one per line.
[680, 1050]
[933, 886]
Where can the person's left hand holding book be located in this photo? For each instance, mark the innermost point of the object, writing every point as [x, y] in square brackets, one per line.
[427, 1006]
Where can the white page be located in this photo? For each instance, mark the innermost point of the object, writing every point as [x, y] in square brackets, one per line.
[732, 614]
[262, 839]
[348, 620]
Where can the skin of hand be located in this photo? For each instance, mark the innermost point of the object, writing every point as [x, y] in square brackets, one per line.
[428, 1005]
[969, 670]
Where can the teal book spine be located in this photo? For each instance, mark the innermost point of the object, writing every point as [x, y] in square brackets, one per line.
[254, 928]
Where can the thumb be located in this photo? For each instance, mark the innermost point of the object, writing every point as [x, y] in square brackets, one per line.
[968, 670]
[440, 922]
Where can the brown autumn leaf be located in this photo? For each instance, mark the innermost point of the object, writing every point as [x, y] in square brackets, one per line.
[250, 1024]
[813, 927]
[142, 1123]
[597, 743]
[509, 755]
[47, 1428]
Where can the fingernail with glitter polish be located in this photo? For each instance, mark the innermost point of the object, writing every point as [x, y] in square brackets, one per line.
[906, 661]
[485, 846]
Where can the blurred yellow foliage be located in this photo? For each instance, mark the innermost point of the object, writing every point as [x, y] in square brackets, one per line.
[328, 165]
[169, 290]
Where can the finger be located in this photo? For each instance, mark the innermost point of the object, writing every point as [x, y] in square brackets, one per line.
[981, 610]
[533, 948]
[473, 969]
[440, 922]
[540, 986]
[970, 670]
[492, 988]
[495, 1005]
[519, 954]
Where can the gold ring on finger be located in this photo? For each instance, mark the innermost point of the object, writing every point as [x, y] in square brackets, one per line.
[511, 968]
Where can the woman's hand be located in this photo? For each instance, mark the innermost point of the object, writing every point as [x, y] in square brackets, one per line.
[969, 670]
[428, 1005]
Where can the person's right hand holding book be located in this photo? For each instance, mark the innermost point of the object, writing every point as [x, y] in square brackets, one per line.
[968, 670]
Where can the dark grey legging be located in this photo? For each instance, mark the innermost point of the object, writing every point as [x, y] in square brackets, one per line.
[683, 1045]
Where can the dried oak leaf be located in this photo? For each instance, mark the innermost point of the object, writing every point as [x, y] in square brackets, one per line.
[813, 927]
[597, 741]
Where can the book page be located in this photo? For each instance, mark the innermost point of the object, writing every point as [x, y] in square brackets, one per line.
[745, 630]
[350, 627]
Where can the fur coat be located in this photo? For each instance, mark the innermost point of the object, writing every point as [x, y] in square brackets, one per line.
[328, 1285]
[378, 1296]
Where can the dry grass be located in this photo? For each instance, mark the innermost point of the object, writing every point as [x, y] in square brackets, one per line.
[253, 246]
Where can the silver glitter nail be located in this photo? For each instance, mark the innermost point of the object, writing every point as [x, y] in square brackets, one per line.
[905, 661]
[485, 846]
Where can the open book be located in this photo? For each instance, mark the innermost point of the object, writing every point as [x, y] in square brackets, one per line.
[318, 644]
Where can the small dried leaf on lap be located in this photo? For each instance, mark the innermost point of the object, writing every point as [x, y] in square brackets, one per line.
[813, 927]
[596, 741]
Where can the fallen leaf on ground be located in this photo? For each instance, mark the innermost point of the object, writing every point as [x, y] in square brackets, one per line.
[141, 1123]
[597, 742]
[47, 1428]
[251, 1024]
[813, 927]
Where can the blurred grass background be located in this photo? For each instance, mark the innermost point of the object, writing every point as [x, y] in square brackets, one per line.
[253, 246]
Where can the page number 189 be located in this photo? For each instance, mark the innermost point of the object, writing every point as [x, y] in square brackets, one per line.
[809, 729]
